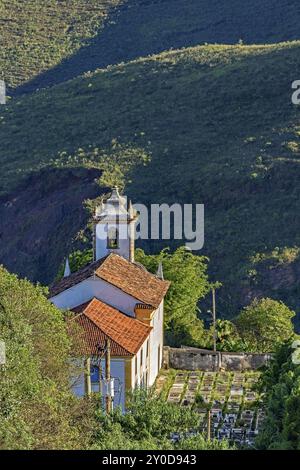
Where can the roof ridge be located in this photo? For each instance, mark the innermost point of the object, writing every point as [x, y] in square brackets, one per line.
[123, 313]
[128, 277]
[138, 265]
[119, 311]
[114, 308]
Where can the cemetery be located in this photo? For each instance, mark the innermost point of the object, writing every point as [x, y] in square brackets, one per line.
[228, 403]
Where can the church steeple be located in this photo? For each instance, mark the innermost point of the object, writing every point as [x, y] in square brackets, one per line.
[67, 272]
[115, 227]
[160, 271]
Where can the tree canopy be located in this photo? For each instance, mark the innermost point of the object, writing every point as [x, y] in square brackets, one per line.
[148, 425]
[189, 284]
[37, 410]
[264, 325]
[281, 383]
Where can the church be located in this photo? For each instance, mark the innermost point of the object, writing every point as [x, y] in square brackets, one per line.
[115, 298]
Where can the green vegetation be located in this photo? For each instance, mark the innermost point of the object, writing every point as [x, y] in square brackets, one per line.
[215, 120]
[275, 273]
[265, 325]
[228, 337]
[210, 124]
[148, 425]
[36, 36]
[189, 284]
[77, 260]
[260, 327]
[116, 163]
[281, 429]
[37, 410]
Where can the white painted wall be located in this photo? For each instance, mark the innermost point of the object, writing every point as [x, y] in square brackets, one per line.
[95, 287]
[141, 368]
[152, 364]
[102, 229]
[117, 372]
[156, 343]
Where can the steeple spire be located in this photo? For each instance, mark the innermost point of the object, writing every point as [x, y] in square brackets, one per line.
[160, 271]
[67, 272]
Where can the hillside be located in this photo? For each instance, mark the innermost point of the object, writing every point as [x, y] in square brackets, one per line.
[49, 42]
[36, 36]
[221, 128]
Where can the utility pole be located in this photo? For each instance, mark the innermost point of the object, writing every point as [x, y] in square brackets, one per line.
[208, 425]
[107, 377]
[88, 382]
[214, 318]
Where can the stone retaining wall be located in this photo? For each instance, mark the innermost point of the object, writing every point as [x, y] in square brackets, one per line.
[201, 359]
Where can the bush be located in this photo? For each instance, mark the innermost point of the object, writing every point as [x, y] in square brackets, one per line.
[37, 409]
[264, 325]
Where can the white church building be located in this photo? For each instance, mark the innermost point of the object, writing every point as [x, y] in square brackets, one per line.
[117, 299]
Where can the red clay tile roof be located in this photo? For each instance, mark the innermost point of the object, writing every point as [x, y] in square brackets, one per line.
[100, 321]
[129, 277]
[75, 278]
[92, 340]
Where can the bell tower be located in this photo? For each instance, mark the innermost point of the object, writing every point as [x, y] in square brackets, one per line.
[114, 227]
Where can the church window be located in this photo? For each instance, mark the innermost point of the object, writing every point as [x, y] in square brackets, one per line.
[95, 377]
[113, 238]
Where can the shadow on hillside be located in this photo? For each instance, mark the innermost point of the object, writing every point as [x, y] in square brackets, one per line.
[39, 220]
[143, 27]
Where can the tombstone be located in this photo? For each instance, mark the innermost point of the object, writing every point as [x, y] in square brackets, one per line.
[2, 92]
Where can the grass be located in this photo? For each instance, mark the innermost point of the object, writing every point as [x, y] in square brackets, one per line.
[35, 35]
[170, 376]
[53, 40]
[217, 122]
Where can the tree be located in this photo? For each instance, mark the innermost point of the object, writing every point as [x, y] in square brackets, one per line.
[199, 442]
[37, 409]
[281, 383]
[148, 425]
[228, 338]
[264, 325]
[189, 284]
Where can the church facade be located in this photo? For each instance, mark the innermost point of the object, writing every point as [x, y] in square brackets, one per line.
[115, 298]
